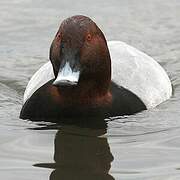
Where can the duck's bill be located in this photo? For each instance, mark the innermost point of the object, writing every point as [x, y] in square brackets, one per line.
[67, 77]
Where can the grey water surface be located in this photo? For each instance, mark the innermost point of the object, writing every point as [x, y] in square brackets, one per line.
[145, 146]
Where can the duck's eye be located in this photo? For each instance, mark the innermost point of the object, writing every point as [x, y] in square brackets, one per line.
[58, 36]
[88, 37]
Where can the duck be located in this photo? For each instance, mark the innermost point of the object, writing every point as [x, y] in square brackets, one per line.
[89, 76]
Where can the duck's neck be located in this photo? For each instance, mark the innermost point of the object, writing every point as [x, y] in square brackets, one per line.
[84, 94]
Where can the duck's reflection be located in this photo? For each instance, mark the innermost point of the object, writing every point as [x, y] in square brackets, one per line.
[80, 153]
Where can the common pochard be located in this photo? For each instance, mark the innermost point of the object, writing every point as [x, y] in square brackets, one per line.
[77, 79]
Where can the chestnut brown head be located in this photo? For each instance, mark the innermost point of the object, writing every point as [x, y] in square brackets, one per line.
[79, 54]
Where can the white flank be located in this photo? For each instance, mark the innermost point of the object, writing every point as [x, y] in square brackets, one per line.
[41, 77]
[139, 73]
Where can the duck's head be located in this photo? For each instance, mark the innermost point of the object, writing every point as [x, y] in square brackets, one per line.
[79, 55]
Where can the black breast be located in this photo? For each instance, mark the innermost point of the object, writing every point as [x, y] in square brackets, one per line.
[41, 106]
[124, 102]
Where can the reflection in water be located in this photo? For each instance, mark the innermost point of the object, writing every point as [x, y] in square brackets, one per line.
[80, 153]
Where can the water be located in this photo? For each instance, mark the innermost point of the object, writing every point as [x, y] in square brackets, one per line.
[139, 147]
